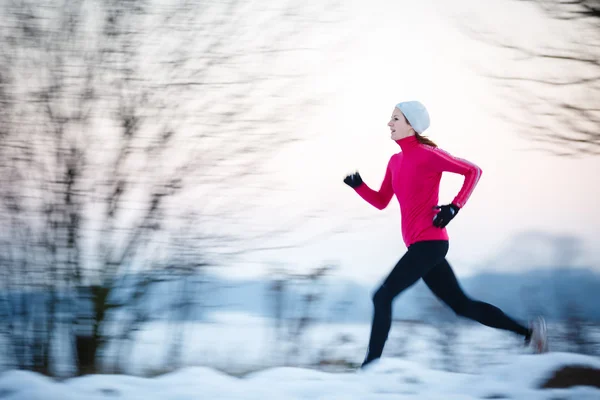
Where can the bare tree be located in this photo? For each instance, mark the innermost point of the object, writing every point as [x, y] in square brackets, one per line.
[447, 328]
[119, 120]
[555, 297]
[295, 298]
[555, 86]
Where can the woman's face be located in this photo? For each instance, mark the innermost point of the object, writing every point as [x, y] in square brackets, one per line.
[400, 128]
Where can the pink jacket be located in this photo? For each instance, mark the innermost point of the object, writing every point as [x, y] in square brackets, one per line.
[414, 175]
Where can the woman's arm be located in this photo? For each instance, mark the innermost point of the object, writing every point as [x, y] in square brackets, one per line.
[378, 199]
[443, 161]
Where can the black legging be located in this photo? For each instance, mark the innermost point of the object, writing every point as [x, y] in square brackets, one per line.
[427, 260]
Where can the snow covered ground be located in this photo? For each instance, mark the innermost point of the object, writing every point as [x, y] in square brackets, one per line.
[238, 357]
[239, 343]
[391, 378]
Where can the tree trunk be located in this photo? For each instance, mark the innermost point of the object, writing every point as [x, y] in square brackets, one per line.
[91, 313]
[86, 346]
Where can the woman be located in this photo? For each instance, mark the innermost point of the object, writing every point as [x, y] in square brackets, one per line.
[414, 175]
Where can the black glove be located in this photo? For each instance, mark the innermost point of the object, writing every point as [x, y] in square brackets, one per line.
[445, 215]
[353, 180]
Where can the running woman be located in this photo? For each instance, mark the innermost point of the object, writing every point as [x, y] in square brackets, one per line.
[414, 175]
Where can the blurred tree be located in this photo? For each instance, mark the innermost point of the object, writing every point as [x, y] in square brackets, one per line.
[297, 305]
[446, 324]
[557, 84]
[120, 121]
[562, 297]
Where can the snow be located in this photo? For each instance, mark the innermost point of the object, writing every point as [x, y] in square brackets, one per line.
[485, 364]
[390, 378]
[238, 343]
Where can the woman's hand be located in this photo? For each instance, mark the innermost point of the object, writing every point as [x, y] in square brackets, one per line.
[354, 180]
[445, 215]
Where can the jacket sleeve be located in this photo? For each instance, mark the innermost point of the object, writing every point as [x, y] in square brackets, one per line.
[442, 161]
[378, 199]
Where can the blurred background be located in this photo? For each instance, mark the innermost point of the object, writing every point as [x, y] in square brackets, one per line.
[171, 178]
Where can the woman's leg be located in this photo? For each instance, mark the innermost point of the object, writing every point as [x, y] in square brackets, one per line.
[418, 260]
[443, 283]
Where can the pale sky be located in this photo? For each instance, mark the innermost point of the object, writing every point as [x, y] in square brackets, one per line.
[405, 50]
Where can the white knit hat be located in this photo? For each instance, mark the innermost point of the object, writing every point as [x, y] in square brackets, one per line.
[416, 114]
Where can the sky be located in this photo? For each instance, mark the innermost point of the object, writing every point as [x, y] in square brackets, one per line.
[374, 55]
[408, 50]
